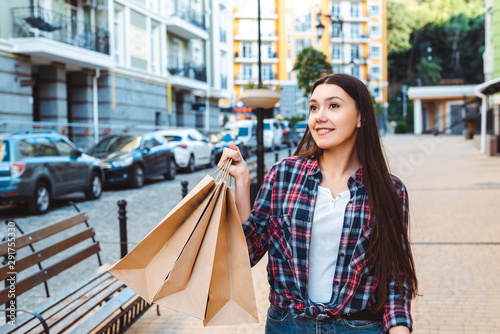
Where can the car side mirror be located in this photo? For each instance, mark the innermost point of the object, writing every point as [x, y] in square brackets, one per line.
[76, 154]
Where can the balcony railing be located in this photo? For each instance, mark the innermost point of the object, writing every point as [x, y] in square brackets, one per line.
[187, 69]
[188, 14]
[223, 81]
[36, 21]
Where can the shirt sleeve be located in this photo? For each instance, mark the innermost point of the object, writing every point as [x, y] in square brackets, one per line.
[256, 228]
[397, 310]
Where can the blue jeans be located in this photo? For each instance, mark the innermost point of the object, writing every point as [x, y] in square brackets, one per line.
[280, 321]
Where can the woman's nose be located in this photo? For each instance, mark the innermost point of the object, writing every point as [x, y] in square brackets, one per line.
[320, 116]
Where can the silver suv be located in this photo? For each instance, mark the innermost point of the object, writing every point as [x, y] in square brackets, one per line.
[39, 165]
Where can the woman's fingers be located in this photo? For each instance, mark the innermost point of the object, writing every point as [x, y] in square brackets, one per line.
[231, 152]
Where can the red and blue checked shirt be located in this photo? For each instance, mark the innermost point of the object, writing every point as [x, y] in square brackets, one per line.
[281, 222]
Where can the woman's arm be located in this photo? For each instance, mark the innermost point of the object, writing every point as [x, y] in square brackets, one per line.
[399, 330]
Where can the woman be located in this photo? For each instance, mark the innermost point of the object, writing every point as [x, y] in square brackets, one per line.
[333, 221]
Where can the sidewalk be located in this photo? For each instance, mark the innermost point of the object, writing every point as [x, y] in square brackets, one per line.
[455, 210]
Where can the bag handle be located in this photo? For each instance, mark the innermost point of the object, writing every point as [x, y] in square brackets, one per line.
[222, 174]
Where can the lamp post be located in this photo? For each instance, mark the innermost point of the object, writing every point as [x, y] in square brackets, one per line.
[259, 99]
[336, 21]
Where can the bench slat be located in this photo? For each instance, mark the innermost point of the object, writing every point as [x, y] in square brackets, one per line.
[91, 302]
[104, 312]
[30, 238]
[45, 274]
[59, 301]
[46, 253]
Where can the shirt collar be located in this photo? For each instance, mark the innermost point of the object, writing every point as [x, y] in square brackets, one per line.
[357, 177]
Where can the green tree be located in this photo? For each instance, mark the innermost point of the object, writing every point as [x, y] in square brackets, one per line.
[311, 65]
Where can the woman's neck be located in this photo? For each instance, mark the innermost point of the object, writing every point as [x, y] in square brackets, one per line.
[339, 165]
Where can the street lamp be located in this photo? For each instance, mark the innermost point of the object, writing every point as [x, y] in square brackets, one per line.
[336, 22]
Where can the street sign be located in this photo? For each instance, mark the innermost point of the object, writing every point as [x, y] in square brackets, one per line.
[28, 83]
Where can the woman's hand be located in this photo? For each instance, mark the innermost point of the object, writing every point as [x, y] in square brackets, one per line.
[399, 330]
[239, 168]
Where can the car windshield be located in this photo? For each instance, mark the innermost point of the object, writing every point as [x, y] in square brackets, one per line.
[173, 138]
[4, 150]
[267, 126]
[125, 144]
[222, 136]
[300, 125]
[243, 132]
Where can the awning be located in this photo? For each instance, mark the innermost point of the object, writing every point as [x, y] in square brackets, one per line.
[483, 90]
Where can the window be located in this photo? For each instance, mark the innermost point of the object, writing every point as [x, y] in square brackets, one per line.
[336, 51]
[375, 51]
[374, 10]
[355, 71]
[376, 93]
[375, 31]
[335, 9]
[119, 24]
[303, 16]
[247, 50]
[355, 52]
[337, 69]
[301, 44]
[64, 148]
[45, 147]
[155, 49]
[336, 30]
[247, 71]
[267, 72]
[355, 30]
[375, 72]
[355, 9]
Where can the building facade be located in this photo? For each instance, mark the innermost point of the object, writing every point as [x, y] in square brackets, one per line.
[354, 41]
[87, 68]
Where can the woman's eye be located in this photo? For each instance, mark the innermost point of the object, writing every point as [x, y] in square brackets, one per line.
[333, 105]
[313, 108]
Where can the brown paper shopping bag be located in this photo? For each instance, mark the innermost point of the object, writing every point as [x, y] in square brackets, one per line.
[231, 297]
[145, 268]
[186, 288]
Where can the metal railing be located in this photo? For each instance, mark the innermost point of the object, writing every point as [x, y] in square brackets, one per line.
[188, 14]
[36, 21]
[185, 68]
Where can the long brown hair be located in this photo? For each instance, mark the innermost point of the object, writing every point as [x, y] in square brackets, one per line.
[389, 251]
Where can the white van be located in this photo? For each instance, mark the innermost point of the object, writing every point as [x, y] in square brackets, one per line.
[273, 134]
[246, 131]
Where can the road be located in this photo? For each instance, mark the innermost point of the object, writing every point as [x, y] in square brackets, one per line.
[146, 207]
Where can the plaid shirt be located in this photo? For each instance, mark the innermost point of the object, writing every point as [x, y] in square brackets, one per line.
[281, 223]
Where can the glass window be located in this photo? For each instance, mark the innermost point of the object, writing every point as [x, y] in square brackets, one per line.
[4, 150]
[45, 147]
[336, 51]
[267, 72]
[301, 44]
[335, 9]
[375, 51]
[375, 31]
[355, 52]
[337, 69]
[355, 30]
[243, 132]
[247, 71]
[374, 10]
[355, 71]
[355, 9]
[336, 29]
[375, 72]
[120, 143]
[63, 147]
[247, 50]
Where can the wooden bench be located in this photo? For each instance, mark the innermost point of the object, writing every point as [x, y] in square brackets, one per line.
[98, 303]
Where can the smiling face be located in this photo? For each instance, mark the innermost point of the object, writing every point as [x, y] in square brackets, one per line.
[333, 117]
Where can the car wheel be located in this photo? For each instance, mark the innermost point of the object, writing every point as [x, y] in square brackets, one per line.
[138, 176]
[172, 170]
[40, 202]
[191, 167]
[94, 190]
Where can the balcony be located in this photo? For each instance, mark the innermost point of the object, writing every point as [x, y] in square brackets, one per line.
[179, 15]
[251, 58]
[39, 32]
[185, 68]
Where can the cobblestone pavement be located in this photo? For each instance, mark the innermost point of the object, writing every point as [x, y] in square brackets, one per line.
[455, 209]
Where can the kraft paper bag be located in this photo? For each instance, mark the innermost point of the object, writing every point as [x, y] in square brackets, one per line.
[231, 297]
[186, 288]
[146, 267]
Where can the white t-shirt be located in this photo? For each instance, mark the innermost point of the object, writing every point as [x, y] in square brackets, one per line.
[327, 227]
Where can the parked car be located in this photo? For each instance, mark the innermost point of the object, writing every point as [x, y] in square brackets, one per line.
[40, 165]
[273, 135]
[191, 148]
[132, 158]
[246, 130]
[300, 127]
[290, 136]
[222, 140]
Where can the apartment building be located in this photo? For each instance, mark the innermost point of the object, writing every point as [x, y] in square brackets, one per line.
[87, 68]
[354, 41]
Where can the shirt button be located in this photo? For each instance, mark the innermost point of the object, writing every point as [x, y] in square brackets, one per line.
[342, 254]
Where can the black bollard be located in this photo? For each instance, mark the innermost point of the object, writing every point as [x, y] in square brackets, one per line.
[184, 188]
[277, 156]
[289, 152]
[122, 217]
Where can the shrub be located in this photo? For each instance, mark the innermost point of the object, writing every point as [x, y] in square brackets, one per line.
[401, 128]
